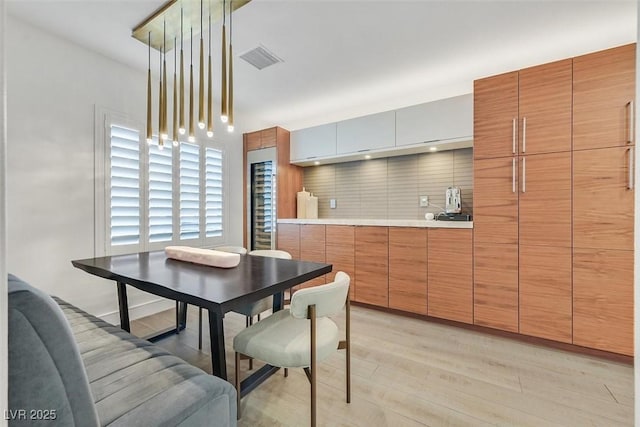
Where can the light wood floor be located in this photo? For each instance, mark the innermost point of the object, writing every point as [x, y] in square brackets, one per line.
[409, 372]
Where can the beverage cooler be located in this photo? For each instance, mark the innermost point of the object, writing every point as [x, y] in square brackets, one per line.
[261, 203]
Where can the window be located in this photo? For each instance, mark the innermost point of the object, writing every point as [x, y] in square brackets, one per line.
[148, 198]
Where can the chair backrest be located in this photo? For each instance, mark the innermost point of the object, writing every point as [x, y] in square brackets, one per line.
[45, 366]
[273, 253]
[328, 299]
[233, 249]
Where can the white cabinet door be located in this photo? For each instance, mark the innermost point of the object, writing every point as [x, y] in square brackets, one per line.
[315, 142]
[373, 132]
[450, 118]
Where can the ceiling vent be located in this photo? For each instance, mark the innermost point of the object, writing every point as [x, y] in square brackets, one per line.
[260, 57]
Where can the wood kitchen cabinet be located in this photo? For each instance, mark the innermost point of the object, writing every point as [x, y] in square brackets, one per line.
[341, 253]
[450, 274]
[312, 248]
[408, 269]
[545, 292]
[603, 98]
[495, 291]
[603, 199]
[603, 299]
[372, 265]
[261, 139]
[495, 116]
[289, 239]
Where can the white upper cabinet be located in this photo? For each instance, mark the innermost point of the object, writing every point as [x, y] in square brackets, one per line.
[446, 119]
[373, 132]
[315, 142]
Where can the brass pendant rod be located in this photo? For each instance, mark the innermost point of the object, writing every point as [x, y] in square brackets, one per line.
[201, 123]
[165, 132]
[209, 88]
[224, 116]
[192, 131]
[181, 127]
[160, 102]
[175, 96]
[149, 108]
[230, 90]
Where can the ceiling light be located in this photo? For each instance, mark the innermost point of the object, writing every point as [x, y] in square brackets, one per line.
[433, 149]
[316, 163]
[368, 156]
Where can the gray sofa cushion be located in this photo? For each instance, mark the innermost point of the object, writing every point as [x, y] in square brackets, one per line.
[131, 381]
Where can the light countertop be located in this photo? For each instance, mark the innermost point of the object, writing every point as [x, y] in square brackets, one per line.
[382, 222]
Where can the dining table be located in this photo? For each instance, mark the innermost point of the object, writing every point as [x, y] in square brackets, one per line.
[217, 290]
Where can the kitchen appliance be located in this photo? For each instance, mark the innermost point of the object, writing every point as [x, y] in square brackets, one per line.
[453, 201]
[261, 199]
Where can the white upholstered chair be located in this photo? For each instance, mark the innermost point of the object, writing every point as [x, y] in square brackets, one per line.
[301, 336]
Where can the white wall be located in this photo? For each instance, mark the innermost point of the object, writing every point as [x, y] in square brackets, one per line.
[53, 88]
[4, 377]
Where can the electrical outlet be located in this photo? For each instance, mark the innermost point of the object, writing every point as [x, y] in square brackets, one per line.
[332, 203]
[424, 201]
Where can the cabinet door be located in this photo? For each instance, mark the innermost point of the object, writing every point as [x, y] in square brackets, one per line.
[545, 292]
[545, 200]
[268, 137]
[253, 141]
[495, 116]
[341, 253]
[603, 89]
[372, 265]
[289, 239]
[408, 269]
[450, 118]
[545, 108]
[367, 133]
[495, 290]
[603, 300]
[603, 203]
[450, 265]
[495, 200]
[310, 143]
[312, 248]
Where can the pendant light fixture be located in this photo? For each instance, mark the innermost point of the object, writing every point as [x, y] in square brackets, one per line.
[201, 123]
[149, 125]
[160, 103]
[175, 95]
[230, 90]
[192, 130]
[224, 116]
[209, 88]
[164, 132]
[181, 127]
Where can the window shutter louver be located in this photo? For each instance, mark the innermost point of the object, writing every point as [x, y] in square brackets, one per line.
[189, 191]
[214, 196]
[160, 194]
[125, 186]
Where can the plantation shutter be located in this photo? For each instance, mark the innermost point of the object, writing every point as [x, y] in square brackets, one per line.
[160, 194]
[189, 191]
[125, 186]
[213, 184]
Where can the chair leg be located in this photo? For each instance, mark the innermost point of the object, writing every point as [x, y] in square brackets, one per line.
[348, 355]
[286, 372]
[237, 383]
[314, 371]
[200, 328]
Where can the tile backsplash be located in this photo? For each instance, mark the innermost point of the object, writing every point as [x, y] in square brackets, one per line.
[390, 188]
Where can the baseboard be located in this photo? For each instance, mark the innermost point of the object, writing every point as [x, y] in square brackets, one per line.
[140, 310]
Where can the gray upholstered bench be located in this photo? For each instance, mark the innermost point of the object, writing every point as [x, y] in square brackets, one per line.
[69, 365]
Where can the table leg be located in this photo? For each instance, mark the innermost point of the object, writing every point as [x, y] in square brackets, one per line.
[216, 334]
[278, 301]
[123, 306]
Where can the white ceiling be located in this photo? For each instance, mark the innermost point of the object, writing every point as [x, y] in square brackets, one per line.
[349, 58]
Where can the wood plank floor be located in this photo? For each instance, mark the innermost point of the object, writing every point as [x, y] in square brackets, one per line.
[409, 372]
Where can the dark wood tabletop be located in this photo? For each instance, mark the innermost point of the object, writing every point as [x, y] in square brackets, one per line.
[216, 289]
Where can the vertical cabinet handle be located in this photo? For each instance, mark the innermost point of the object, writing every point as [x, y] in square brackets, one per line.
[631, 165]
[514, 135]
[513, 175]
[524, 174]
[524, 134]
[631, 125]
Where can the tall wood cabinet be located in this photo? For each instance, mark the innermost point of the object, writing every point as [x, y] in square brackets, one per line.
[288, 178]
[603, 194]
